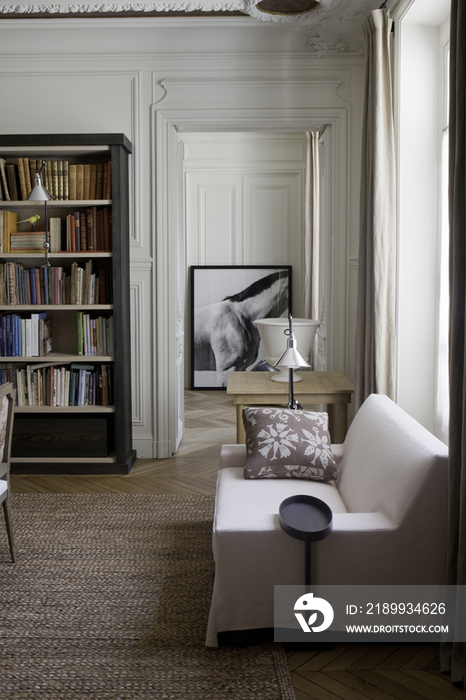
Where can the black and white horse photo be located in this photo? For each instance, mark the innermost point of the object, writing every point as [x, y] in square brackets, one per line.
[224, 335]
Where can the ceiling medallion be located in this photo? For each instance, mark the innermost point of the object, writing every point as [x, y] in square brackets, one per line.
[287, 7]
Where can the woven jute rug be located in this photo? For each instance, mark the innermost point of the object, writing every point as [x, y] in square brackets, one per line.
[109, 600]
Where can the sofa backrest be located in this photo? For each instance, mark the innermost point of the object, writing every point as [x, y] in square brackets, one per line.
[388, 459]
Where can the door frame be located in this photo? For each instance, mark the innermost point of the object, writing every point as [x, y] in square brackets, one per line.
[179, 111]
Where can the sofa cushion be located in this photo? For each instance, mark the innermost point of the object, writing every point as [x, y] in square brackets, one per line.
[242, 505]
[284, 443]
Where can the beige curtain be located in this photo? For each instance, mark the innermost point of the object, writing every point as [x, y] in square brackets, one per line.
[375, 370]
[453, 655]
[311, 235]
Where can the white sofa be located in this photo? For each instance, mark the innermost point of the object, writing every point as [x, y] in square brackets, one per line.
[389, 520]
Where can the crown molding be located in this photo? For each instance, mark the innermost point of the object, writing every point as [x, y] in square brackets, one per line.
[329, 11]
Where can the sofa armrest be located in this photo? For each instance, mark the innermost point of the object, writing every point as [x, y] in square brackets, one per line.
[232, 456]
[361, 522]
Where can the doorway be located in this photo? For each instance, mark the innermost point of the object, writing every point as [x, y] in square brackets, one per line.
[170, 126]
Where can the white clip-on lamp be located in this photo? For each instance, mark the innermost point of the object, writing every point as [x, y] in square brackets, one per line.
[292, 359]
[39, 193]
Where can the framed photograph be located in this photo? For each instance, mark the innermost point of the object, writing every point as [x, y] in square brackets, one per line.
[225, 302]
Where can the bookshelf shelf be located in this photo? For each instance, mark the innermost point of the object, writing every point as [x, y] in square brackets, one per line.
[66, 255]
[18, 308]
[65, 409]
[85, 437]
[59, 203]
[57, 358]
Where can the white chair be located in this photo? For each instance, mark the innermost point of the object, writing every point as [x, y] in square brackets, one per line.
[389, 520]
[7, 406]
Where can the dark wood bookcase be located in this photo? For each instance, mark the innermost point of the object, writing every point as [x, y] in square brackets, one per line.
[86, 438]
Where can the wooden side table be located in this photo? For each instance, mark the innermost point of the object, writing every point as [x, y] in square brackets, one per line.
[333, 389]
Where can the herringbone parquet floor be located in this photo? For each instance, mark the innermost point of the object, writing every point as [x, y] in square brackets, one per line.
[341, 672]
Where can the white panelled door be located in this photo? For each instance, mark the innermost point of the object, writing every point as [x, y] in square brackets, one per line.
[214, 206]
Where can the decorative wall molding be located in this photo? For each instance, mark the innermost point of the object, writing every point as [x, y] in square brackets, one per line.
[137, 351]
[144, 265]
[344, 36]
[236, 93]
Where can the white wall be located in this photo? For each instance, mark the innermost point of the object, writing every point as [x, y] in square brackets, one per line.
[139, 75]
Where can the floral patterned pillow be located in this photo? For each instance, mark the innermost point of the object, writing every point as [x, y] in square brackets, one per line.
[284, 443]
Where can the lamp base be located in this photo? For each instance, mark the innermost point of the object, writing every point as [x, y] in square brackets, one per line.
[282, 377]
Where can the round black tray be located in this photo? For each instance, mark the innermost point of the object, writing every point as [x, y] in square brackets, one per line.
[305, 518]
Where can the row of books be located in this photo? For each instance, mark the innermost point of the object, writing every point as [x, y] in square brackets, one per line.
[29, 336]
[51, 384]
[86, 231]
[64, 180]
[9, 225]
[89, 230]
[77, 284]
[95, 334]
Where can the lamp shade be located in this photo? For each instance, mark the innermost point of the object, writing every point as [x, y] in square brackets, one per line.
[292, 359]
[39, 193]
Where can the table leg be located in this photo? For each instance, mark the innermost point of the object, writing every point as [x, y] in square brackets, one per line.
[337, 421]
[307, 563]
[331, 422]
[342, 421]
[240, 434]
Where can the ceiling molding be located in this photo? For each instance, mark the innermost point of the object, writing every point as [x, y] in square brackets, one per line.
[330, 13]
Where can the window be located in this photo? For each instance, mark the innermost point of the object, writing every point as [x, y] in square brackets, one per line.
[442, 393]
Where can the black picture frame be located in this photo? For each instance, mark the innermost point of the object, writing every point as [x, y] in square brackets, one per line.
[223, 337]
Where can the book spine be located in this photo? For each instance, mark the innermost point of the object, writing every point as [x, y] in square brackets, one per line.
[37, 285]
[93, 188]
[12, 181]
[72, 181]
[49, 176]
[77, 230]
[87, 182]
[11, 283]
[61, 189]
[83, 230]
[66, 398]
[28, 343]
[34, 335]
[55, 185]
[79, 316]
[90, 229]
[23, 337]
[66, 180]
[100, 181]
[6, 193]
[27, 176]
[45, 285]
[22, 178]
[79, 181]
